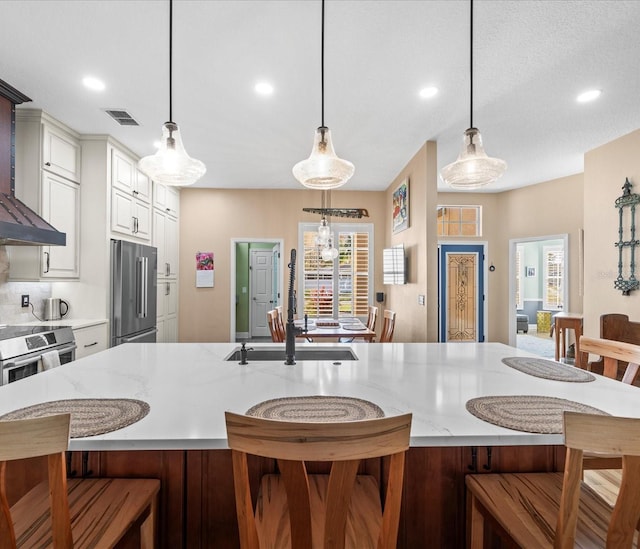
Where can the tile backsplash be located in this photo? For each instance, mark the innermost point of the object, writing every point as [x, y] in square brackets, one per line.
[11, 310]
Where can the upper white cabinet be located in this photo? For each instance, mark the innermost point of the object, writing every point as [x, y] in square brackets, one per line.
[60, 153]
[48, 159]
[61, 208]
[166, 199]
[130, 197]
[126, 176]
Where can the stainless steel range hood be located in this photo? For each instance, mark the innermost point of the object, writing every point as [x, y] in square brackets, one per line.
[19, 224]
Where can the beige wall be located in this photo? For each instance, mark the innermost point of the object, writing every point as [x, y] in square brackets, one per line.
[210, 218]
[550, 208]
[605, 171]
[416, 322]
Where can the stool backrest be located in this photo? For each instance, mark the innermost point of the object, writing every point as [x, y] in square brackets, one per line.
[613, 352]
[27, 438]
[605, 435]
[343, 444]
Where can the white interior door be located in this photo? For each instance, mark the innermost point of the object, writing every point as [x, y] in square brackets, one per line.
[261, 291]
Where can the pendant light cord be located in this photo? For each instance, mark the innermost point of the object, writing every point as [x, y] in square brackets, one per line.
[322, 65]
[471, 66]
[170, 60]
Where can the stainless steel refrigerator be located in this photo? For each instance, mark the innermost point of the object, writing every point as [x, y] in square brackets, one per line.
[134, 270]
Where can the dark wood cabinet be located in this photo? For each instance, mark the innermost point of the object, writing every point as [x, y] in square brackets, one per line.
[197, 500]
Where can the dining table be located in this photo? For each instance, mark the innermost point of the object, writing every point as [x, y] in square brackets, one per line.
[330, 328]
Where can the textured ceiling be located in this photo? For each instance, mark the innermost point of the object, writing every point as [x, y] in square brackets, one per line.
[531, 60]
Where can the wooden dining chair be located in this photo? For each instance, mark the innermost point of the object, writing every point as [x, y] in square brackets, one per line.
[388, 326]
[559, 510]
[65, 513]
[275, 327]
[297, 510]
[611, 353]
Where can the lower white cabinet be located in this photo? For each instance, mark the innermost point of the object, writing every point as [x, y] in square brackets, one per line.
[91, 339]
[167, 311]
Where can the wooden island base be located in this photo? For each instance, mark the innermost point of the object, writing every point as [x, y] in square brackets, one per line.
[197, 505]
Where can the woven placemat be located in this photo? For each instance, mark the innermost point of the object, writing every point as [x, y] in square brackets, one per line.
[529, 413]
[316, 409]
[89, 416]
[548, 369]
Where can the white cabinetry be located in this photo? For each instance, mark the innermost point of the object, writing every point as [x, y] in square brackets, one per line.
[166, 209]
[47, 180]
[90, 339]
[130, 198]
[167, 311]
[165, 238]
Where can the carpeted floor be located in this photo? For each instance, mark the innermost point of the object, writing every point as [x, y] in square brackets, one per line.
[539, 344]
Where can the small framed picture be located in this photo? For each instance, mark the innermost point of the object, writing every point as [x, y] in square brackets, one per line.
[400, 205]
[530, 272]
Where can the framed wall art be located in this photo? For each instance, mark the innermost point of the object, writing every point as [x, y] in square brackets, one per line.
[400, 213]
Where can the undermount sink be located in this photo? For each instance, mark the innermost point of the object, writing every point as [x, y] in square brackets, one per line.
[278, 354]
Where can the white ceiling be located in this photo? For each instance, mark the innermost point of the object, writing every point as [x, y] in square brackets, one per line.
[531, 59]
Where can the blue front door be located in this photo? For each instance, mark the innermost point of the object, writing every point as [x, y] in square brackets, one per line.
[461, 292]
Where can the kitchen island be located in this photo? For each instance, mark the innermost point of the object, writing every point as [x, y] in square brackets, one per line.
[188, 386]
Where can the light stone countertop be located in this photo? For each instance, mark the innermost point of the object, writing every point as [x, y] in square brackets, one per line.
[189, 386]
[75, 323]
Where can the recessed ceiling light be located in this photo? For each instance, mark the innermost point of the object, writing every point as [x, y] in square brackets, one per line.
[93, 83]
[587, 96]
[428, 92]
[263, 88]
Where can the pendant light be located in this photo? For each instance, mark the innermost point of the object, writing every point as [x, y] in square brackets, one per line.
[171, 165]
[323, 169]
[473, 168]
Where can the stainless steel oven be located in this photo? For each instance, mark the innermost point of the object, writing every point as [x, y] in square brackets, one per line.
[22, 349]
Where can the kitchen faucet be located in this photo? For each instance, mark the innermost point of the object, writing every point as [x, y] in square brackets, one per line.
[291, 329]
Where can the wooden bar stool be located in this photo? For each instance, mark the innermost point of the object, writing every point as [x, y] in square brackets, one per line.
[562, 323]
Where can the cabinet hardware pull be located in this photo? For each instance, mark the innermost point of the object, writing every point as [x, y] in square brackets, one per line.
[47, 263]
[135, 224]
[90, 344]
[70, 471]
[135, 192]
[487, 466]
[167, 269]
[168, 209]
[47, 163]
[474, 459]
[168, 289]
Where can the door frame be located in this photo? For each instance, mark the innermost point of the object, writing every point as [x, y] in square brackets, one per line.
[484, 316]
[232, 278]
[512, 277]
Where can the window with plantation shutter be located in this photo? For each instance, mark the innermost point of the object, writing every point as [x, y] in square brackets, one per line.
[519, 270]
[553, 281]
[340, 287]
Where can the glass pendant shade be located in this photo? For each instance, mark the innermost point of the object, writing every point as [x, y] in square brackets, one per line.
[324, 233]
[473, 168]
[323, 169]
[329, 253]
[171, 165]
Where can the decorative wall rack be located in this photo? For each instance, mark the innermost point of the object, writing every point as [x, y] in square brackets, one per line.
[627, 248]
[338, 212]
